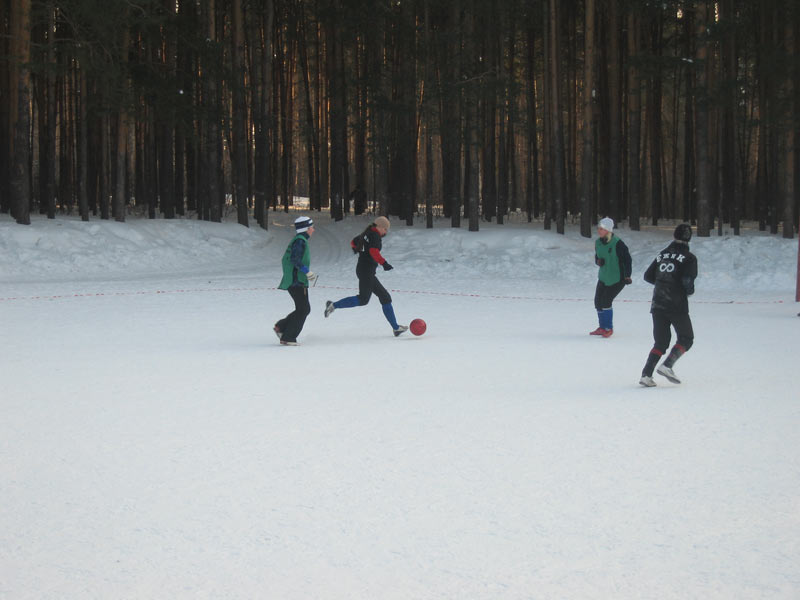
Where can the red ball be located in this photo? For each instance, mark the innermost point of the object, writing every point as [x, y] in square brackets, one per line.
[417, 326]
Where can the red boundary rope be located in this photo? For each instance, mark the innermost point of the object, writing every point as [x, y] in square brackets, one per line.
[422, 292]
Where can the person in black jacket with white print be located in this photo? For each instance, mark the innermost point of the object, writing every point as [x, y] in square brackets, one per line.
[673, 273]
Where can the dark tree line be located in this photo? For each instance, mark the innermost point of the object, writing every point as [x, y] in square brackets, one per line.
[471, 109]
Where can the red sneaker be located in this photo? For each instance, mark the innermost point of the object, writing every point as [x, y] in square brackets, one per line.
[598, 331]
[607, 333]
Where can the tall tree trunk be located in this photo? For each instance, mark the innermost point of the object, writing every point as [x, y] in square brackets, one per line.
[470, 131]
[532, 187]
[730, 178]
[239, 171]
[6, 118]
[263, 159]
[427, 114]
[689, 195]
[449, 116]
[311, 135]
[790, 82]
[212, 190]
[83, 147]
[121, 153]
[634, 126]
[559, 177]
[589, 92]
[48, 115]
[20, 111]
[613, 159]
[654, 133]
[509, 199]
[703, 169]
[403, 155]
[338, 113]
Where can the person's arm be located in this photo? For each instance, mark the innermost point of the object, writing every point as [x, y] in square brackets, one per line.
[650, 273]
[296, 257]
[689, 275]
[376, 256]
[625, 260]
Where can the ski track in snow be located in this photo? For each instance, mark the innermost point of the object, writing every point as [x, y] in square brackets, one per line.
[163, 445]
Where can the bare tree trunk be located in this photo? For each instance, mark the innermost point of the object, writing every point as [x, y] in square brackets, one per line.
[730, 179]
[559, 176]
[427, 113]
[48, 162]
[790, 82]
[689, 195]
[83, 148]
[403, 157]
[614, 107]
[589, 92]
[470, 131]
[509, 199]
[6, 118]
[532, 197]
[338, 114]
[166, 160]
[20, 111]
[654, 133]
[634, 127]
[263, 160]
[449, 116]
[121, 155]
[360, 144]
[703, 169]
[312, 150]
[212, 190]
[239, 170]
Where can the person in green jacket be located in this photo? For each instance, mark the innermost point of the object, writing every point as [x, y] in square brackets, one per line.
[296, 277]
[612, 256]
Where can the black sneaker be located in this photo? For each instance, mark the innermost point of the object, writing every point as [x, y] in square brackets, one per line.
[329, 308]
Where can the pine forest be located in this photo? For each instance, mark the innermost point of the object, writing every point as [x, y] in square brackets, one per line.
[558, 111]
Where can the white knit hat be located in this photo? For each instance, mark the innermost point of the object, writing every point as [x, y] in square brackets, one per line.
[606, 223]
[302, 224]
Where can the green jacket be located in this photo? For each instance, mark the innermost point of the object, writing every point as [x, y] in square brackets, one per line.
[297, 255]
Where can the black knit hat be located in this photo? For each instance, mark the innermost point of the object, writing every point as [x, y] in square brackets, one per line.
[683, 232]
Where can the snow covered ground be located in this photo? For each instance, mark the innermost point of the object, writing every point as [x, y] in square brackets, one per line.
[157, 442]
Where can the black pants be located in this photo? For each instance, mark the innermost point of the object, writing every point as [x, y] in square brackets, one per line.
[291, 325]
[604, 294]
[662, 333]
[368, 284]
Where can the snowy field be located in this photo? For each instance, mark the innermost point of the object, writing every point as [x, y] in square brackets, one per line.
[157, 442]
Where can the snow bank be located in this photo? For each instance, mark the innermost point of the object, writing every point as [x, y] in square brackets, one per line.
[67, 248]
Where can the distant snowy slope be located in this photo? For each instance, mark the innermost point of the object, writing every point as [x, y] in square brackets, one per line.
[67, 247]
[523, 254]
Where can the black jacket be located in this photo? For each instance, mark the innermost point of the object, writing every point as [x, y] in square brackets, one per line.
[673, 273]
[368, 246]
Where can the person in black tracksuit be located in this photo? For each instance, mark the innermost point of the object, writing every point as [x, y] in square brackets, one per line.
[673, 273]
[368, 247]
